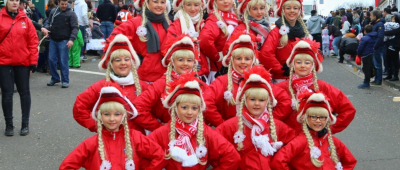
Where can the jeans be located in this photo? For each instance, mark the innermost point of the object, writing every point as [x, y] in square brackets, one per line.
[378, 64]
[335, 44]
[58, 56]
[384, 55]
[393, 63]
[83, 32]
[19, 75]
[106, 27]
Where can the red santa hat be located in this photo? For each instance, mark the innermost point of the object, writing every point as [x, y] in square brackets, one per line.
[311, 99]
[183, 42]
[256, 77]
[119, 42]
[138, 4]
[113, 93]
[309, 47]
[242, 6]
[237, 41]
[187, 84]
[176, 3]
[279, 6]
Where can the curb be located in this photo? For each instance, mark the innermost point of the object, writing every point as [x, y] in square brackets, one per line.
[387, 83]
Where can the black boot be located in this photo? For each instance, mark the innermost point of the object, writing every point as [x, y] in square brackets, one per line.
[24, 129]
[387, 78]
[9, 130]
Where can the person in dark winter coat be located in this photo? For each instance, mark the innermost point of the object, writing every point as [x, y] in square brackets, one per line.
[349, 16]
[378, 26]
[348, 45]
[392, 54]
[365, 51]
[366, 21]
[107, 14]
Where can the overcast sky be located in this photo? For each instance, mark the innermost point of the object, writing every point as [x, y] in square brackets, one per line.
[330, 5]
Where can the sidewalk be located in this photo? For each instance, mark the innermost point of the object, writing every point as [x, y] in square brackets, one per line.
[395, 84]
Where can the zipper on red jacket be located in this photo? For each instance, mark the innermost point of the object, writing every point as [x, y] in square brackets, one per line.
[112, 133]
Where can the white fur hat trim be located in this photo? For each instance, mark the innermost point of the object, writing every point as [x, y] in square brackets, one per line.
[191, 85]
[255, 78]
[184, 40]
[318, 97]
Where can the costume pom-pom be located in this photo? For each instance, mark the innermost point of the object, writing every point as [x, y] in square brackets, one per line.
[238, 137]
[129, 165]
[141, 31]
[201, 151]
[339, 166]
[284, 30]
[105, 165]
[221, 24]
[228, 95]
[293, 104]
[192, 33]
[277, 145]
[315, 152]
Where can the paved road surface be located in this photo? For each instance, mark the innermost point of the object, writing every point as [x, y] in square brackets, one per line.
[373, 136]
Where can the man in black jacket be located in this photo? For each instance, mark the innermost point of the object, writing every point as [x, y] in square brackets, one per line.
[62, 26]
[107, 14]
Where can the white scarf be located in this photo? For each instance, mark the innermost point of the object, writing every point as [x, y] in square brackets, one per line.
[124, 81]
[191, 31]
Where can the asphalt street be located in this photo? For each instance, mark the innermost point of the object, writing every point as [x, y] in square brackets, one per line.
[373, 136]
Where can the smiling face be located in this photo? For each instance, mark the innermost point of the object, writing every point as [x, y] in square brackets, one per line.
[224, 5]
[316, 117]
[183, 61]
[188, 111]
[121, 62]
[303, 64]
[157, 6]
[257, 11]
[256, 101]
[112, 114]
[242, 59]
[192, 7]
[291, 11]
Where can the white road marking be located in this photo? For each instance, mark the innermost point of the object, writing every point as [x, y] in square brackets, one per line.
[87, 72]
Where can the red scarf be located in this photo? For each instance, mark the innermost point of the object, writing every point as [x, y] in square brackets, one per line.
[230, 18]
[302, 84]
[186, 132]
[236, 76]
[174, 75]
[261, 122]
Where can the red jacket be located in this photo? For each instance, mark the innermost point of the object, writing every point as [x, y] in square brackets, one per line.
[252, 158]
[218, 109]
[297, 154]
[20, 47]
[151, 68]
[220, 153]
[212, 41]
[85, 102]
[87, 154]
[273, 57]
[150, 103]
[175, 30]
[340, 104]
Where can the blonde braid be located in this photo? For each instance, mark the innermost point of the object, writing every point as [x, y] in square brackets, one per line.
[168, 77]
[284, 39]
[200, 135]
[218, 16]
[172, 132]
[136, 78]
[128, 146]
[246, 20]
[240, 120]
[100, 138]
[300, 19]
[166, 17]
[235, 10]
[291, 88]
[272, 122]
[108, 72]
[186, 17]
[316, 87]
[143, 24]
[230, 83]
[198, 26]
[332, 145]
[310, 141]
[266, 11]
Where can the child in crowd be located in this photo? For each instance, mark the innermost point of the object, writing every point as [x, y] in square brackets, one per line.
[325, 42]
[388, 27]
[96, 42]
[365, 50]
[74, 60]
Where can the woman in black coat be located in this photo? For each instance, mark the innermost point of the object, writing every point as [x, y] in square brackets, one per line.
[392, 54]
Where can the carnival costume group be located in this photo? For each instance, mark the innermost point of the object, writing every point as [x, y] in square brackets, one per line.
[165, 102]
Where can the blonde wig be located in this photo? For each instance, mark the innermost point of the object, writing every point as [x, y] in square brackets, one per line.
[194, 99]
[179, 53]
[246, 13]
[144, 18]
[259, 93]
[198, 26]
[126, 53]
[219, 17]
[284, 39]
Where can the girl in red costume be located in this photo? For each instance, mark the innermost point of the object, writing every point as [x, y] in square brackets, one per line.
[180, 57]
[254, 132]
[221, 93]
[255, 20]
[290, 26]
[189, 20]
[305, 63]
[315, 148]
[189, 143]
[121, 62]
[115, 145]
[219, 25]
[147, 34]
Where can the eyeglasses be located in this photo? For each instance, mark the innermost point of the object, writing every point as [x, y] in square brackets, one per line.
[321, 118]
